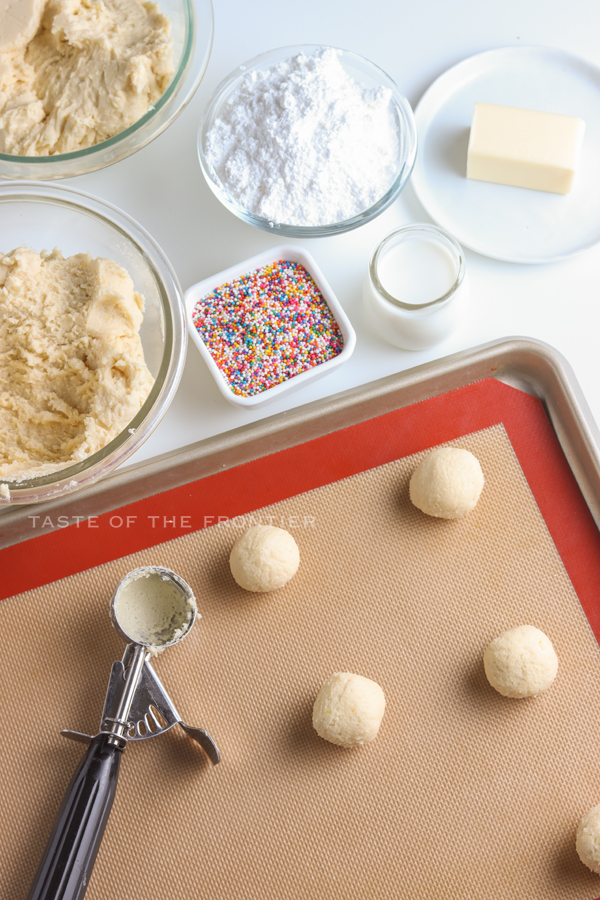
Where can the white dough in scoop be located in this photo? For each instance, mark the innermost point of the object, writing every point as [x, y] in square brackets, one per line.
[447, 483]
[264, 558]
[348, 710]
[521, 662]
[588, 839]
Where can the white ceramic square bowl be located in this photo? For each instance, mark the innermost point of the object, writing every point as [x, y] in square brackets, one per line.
[293, 254]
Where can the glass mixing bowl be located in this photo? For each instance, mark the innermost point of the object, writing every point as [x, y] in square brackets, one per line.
[192, 33]
[43, 217]
[362, 71]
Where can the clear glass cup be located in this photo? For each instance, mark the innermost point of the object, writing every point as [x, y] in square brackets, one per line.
[425, 322]
[363, 72]
[192, 32]
[46, 216]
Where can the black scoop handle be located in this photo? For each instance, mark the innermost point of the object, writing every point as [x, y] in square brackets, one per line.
[70, 853]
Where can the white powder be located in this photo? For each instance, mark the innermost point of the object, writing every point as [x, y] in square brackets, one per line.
[302, 143]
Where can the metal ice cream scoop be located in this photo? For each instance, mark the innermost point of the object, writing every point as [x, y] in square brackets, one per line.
[152, 609]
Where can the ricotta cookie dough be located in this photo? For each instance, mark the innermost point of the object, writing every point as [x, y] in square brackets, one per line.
[19, 22]
[72, 369]
[264, 558]
[587, 843]
[521, 662]
[348, 710]
[77, 72]
[447, 483]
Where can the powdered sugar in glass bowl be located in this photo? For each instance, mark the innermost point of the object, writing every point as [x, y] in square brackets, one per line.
[307, 141]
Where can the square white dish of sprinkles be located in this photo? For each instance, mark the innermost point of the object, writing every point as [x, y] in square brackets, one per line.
[267, 324]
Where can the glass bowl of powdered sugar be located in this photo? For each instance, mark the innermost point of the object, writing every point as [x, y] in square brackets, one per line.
[307, 141]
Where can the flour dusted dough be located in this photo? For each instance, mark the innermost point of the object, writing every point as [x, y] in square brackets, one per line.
[72, 370]
[348, 710]
[447, 483]
[264, 558]
[521, 662]
[588, 839]
[77, 72]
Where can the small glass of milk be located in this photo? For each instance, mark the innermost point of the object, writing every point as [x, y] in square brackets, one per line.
[416, 291]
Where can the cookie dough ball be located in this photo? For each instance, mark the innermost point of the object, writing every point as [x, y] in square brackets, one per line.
[348, 710]
[521, 662]
[447, 483]
[264, 558]
[588, 839]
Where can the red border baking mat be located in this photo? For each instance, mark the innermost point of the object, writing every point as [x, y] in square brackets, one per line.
[77, 544]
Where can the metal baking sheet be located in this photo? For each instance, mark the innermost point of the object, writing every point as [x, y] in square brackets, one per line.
[427, 610]
[529, 365]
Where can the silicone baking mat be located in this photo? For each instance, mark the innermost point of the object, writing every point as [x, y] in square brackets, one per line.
[464, 793]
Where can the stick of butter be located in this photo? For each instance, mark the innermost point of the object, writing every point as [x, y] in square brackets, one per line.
[524, 147]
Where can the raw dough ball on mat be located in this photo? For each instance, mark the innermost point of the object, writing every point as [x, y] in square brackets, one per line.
[264, 558]
[348, 710]
[521, 662]
[588, 839]
[447, 483]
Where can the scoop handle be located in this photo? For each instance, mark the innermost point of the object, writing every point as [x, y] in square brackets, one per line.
[70, 853]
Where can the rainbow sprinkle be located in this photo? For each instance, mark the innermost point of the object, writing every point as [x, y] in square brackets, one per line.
[267, 326]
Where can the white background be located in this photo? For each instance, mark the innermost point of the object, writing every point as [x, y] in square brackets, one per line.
[414, 41]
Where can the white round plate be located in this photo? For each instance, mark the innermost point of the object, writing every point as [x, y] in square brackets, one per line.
[509, 223]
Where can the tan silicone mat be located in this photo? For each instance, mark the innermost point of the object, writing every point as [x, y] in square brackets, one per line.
[464, 794]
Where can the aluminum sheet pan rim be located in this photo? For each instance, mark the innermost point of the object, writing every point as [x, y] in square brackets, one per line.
[525, 363]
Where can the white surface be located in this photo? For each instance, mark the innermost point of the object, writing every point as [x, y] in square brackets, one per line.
[293, 254]
[414, 43]
[509, 223]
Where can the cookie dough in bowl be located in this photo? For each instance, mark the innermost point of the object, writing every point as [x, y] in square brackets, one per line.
[88, 368]
[91, 69]
[85, 83]
[72, 368]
